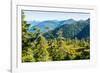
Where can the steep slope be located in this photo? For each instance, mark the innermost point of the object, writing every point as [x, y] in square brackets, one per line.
[84, 33]
[51, 24]
[79, 29]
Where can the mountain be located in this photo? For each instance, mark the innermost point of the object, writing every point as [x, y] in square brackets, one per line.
[47, 24]
[84, 33]
[51, 24]
[32, 24]
[69, 21]
[79, 29]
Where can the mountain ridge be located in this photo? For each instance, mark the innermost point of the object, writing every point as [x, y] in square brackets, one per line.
[72, 31]
[52, 24]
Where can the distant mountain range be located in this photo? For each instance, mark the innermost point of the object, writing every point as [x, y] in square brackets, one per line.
[51, 24]
[69, 28]
[79, 29]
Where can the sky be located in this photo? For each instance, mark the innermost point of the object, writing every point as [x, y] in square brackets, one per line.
[44, 15]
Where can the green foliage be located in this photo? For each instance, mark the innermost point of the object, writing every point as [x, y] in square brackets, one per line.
[36, 47]
[41, 53]
[79, 29]
[27, 55]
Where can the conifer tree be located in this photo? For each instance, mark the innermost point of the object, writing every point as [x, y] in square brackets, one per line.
[26, 48]
[40, 52]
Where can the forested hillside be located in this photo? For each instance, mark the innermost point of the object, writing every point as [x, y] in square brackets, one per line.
[69, 41]
[79, 29]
